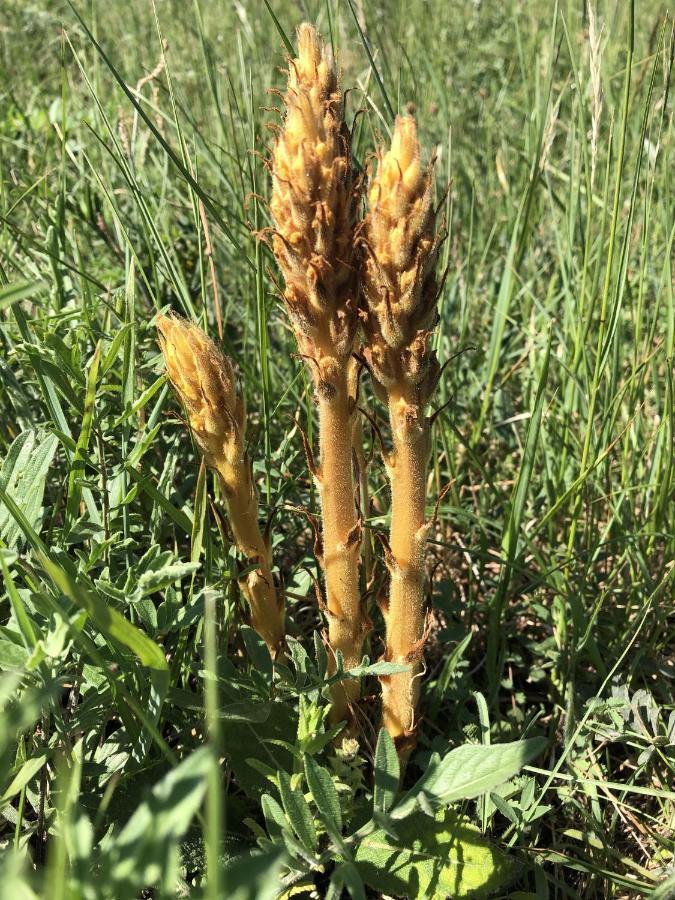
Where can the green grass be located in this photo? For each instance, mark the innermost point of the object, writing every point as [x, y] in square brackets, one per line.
[122, 646]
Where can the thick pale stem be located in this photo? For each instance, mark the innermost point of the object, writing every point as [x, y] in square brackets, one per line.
[406, 611]
[267, 614]
[341, 537]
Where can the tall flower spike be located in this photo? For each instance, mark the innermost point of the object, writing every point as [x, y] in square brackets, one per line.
[400, 291]
[204, 380]
[314, 205]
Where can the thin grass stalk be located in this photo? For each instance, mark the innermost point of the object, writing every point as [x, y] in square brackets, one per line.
[204, 380]
[400, 293]
[313, 204]
[569, 652]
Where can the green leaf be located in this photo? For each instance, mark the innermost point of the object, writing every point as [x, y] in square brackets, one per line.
[298, 812]
[246, 711]
[23, 477]
[144, 483]
[114, 348]
[373, 67]
[12, 655]
[387, 772]
[266, 744]
[665, 890]
[15, 878]
[378, 669]
[255, 876]
[18, 606]
[324, 794]
[20, 290]
[467, 772]
[77, 467]
[258, 653]
[284, 37]
[109, 622]
[199, 518]
[274, 817]
[512, 530]
[26, 773]
[433, 859]
[320, 656]
[347, 875]
[157, 579]
[139, 854]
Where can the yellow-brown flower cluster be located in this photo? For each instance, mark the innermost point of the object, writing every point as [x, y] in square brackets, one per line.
[399, 270]
[204, 379]
[314, 204]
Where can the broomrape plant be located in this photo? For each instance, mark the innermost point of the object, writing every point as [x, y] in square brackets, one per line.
[329, 264]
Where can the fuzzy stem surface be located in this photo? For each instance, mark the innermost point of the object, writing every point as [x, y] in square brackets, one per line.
[405, 614]
[258, 584]
[341, 534]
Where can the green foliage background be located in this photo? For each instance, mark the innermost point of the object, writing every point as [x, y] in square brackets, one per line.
[132, 148]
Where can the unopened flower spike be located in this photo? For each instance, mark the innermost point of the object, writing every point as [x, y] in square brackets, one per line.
[204, 380]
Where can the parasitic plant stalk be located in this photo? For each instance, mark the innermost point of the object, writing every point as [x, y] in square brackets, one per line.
[205, 383]
[314, 207]
[400, 292]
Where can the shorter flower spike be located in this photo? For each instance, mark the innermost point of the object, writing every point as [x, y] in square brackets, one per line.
[399, 270]
[204, 380]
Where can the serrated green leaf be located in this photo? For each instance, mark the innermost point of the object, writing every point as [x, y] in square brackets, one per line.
[433, 859]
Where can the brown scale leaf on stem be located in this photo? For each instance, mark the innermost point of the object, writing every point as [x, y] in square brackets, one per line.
[204, 380]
